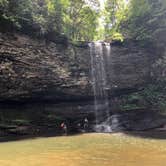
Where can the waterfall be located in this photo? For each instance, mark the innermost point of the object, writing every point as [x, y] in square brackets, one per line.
[99, 52]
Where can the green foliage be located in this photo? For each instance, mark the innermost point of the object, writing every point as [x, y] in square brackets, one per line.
[117, 36]
[128, 107]
[115, 13]
[18, 12]
[132, 101]
[86, 19]
[3, 4]
[20, 122]
[145, 17]
[80, 21]
[75, 18]
[152, 97]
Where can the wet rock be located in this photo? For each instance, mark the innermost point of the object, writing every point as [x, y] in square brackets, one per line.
[20, 130]
[136, 121]
[38, 70]
[34, 70]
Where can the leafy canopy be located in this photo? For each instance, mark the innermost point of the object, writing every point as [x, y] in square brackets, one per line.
[86, 19]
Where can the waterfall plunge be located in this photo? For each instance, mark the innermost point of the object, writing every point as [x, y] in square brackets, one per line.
[99, 52]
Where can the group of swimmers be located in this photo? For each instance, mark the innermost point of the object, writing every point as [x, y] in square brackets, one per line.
[64, 126]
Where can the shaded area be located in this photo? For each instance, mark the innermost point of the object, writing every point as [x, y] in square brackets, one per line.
[152, 134]
[42, 120]
[14, 137]
[27, 121]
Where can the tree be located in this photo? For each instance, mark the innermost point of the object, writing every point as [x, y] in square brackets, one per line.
[80, 21]
[115, 13]
[14, 12]
[75, 18]
[145, 18]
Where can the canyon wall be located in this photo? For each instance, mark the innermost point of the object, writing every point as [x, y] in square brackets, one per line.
[38, 70]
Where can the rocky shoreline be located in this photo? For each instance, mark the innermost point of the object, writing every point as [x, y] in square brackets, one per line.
[40, 120]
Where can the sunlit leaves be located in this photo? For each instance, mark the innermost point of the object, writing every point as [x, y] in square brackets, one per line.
[50, 6]
[80, 21]
[115, 13]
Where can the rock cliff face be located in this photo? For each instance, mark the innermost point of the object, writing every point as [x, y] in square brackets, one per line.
[128, 67]
[32, 69]
[36, 70]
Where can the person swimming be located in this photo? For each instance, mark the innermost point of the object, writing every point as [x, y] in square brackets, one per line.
[86, 124]
[64, 128]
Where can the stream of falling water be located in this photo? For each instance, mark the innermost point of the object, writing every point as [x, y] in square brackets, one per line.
[98, 51]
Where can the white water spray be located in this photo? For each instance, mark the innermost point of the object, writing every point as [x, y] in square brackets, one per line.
[98, 50]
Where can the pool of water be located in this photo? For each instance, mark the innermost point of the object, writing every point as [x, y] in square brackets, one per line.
[84, 150]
